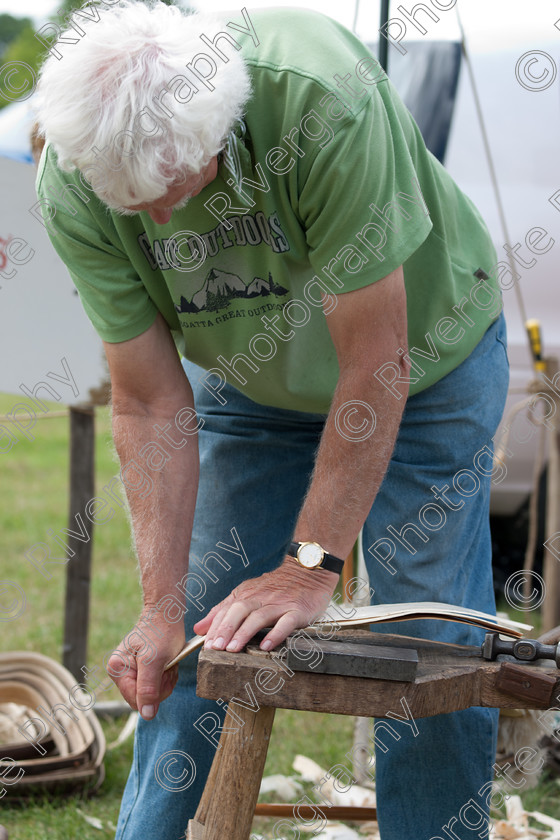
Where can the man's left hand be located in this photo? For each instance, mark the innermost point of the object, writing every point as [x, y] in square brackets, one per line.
[285, 599]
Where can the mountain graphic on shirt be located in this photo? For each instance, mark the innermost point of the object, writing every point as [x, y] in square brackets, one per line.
[258, 287]
[221, 287]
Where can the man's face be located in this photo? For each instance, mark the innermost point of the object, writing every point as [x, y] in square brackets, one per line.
[178, 194]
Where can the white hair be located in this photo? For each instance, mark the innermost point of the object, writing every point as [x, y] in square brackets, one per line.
[95, 98]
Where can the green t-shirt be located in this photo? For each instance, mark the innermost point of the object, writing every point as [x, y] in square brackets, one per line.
[342, 191]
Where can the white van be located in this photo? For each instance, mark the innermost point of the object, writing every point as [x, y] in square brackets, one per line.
[519, 99]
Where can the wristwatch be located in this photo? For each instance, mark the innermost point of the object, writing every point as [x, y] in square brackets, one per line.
[310, 555]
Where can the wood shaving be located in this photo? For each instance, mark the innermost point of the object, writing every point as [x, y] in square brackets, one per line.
[13, 715]
[516, 825]
[125, 733]
[355, 796]
[93, 821]
[285, 788]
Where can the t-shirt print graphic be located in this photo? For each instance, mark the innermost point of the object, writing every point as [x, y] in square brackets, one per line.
[221, 287]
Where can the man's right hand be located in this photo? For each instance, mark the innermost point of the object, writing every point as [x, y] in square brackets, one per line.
[152, 397]
[137, 666]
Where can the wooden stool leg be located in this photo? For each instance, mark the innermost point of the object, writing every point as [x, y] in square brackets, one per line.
[227, 805]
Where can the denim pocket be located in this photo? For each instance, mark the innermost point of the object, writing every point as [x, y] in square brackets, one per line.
[501, 334]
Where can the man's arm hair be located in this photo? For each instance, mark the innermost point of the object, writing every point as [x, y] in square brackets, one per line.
[149, 389]
[367, 327]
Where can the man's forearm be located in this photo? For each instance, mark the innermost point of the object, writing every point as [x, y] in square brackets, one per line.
[348, 471]
[162, 513]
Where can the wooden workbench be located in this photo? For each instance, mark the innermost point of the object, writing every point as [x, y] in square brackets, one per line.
[448, 678]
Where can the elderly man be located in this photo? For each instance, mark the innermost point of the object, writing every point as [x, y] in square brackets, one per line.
[253, 192]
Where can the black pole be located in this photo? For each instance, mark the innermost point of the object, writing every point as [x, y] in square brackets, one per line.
[383, 42]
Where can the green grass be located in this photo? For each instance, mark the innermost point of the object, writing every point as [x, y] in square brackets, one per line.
[33, 499]
[34, 502]
[324, 738]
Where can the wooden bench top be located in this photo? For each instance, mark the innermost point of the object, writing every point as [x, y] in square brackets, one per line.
[448, 678]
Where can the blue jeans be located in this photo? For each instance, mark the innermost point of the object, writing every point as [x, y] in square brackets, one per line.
[255, 467]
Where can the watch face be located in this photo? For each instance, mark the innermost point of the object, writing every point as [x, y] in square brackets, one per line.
[310, 555]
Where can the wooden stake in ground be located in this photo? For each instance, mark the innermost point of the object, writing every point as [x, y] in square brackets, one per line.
[78, 569]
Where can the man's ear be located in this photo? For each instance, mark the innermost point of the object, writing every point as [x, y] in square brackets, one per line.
[37, 143]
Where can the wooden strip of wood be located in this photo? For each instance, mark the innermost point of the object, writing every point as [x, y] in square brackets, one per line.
[78, 572]
[382, 613]
[192, 645]
[347, 571]
[195, 831]
[386, 613]
[332, 812]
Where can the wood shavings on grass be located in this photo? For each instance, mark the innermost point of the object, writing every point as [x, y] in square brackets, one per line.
[308, 769]
[516, 825]
[370, 831]
[125, 733]
[355, 796]
[285, 788]
[549, 821]
[13, 716]
[95, 822]
[338, 831]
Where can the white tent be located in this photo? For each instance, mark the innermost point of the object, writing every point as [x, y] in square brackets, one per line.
[15, 127]
[41, 318]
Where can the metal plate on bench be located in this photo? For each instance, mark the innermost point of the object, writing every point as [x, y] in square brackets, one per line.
[352, 659]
